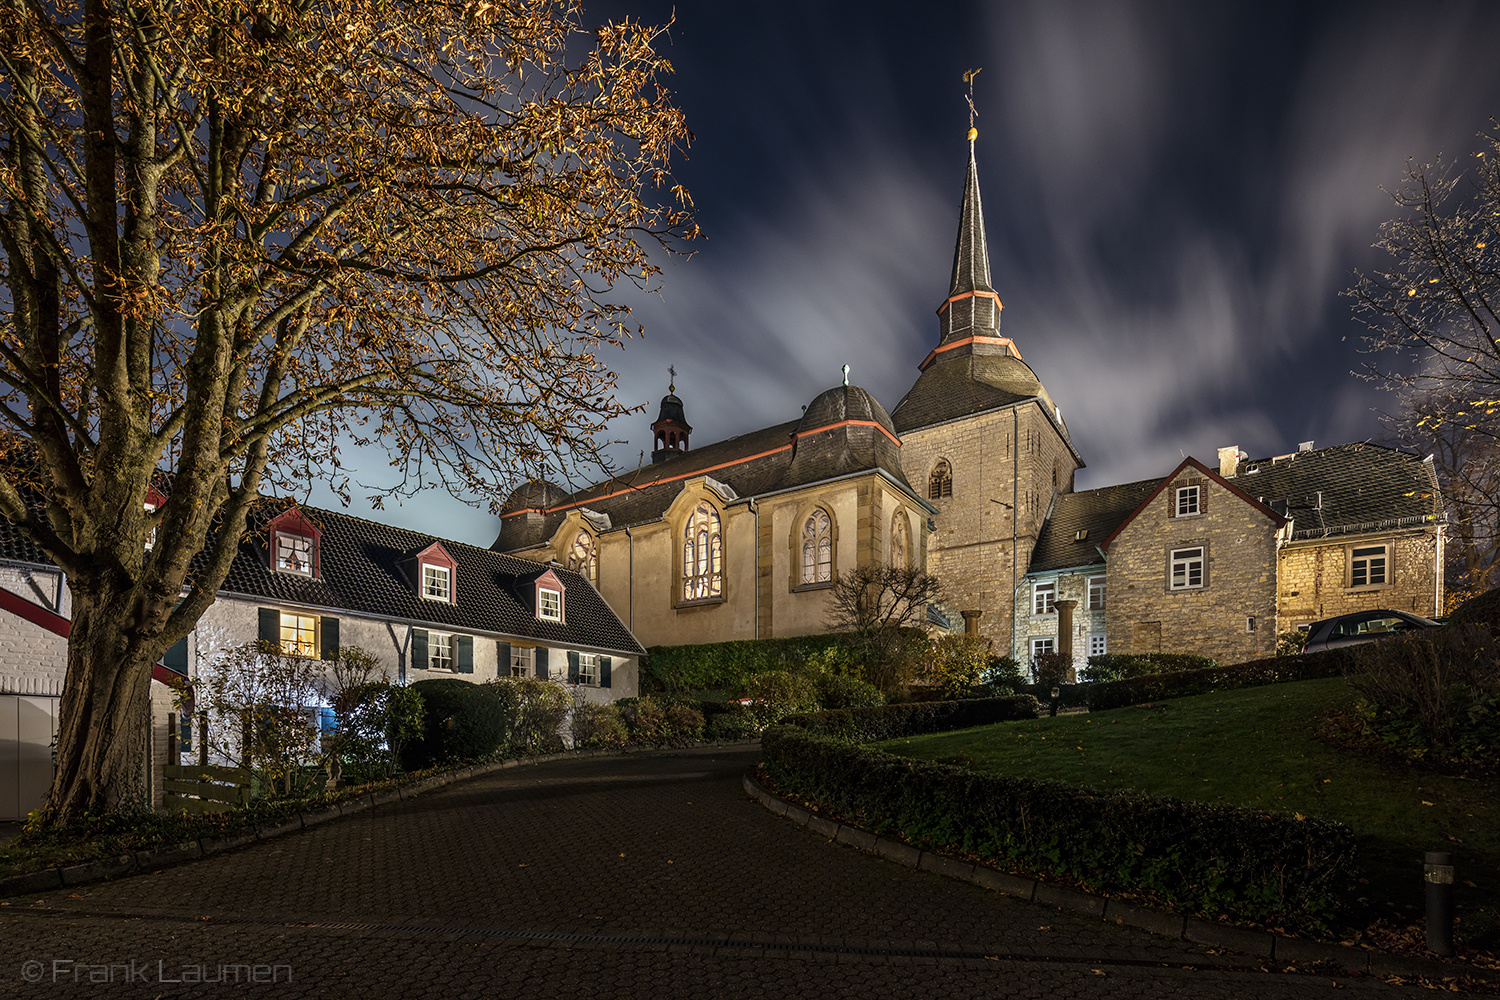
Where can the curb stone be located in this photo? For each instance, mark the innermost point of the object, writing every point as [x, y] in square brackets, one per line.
[1167, 923]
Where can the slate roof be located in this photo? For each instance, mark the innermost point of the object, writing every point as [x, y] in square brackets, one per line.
[1098, 511]
[1364, 487]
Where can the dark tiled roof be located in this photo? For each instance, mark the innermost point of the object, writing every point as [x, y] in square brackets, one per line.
[1363, 487]
[969, 384]
[1099, 512]
[366, 569]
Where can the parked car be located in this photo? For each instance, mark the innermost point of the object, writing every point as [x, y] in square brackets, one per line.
[1361, 626]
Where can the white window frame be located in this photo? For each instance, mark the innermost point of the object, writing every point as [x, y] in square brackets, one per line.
[1097, 644]
[1042, 645]
[1189, 500]
[1097, 588]
[522, 661]
[1368, 561]
[440, 651]
[298, 634]
[1044, 597]
[549, 604]
[437, 583]
[291, 538]
[1187, 560]
[588, 669]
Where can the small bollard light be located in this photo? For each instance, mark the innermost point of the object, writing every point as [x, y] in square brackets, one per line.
[1056, 693]
[1437, 873]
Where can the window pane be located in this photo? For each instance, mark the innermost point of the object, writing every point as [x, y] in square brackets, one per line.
[435, 582]
[299, 635]
[293, 553]
[439, 651]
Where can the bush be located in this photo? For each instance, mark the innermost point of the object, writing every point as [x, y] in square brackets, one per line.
[684, 722]
[461, 722]
[655, 721]
[1268, 867]
[956, 663]
[776, 694]
[597, 726]
[375, 720]
[1003, 675]
[1255, 673]
[1051, 669]
[736, 722]
[541, 708]
[838, 691]
[1437, 690]
[888, 722]
[730, 665]
[1123, 666]
[1482, 609]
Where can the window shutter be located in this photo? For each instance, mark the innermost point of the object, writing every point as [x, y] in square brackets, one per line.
[328, 638]
[572, 667]
[419, 648]
[463, 654]
[541, 662]
[502, 658]
[604, 671]
[176, 658]
[270, 625]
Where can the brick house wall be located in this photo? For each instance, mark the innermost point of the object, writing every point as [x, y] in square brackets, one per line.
[1315, 576]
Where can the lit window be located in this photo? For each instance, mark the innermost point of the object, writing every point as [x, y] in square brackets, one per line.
[1367, 566]
[1187, 568]
[940, 484]
[439, 651]
[520, 662]
[1187, 501]
[898, 542]
[588, 668]
[293, 553]
[817, 548]
[1097, 645]
[1044, 598]
[437, 582]
[549, 604]
[299, 634]
[702, 555]
[1096, 593]
[582, 557]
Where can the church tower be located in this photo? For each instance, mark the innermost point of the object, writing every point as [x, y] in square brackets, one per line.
[982, 440]
[671, 428]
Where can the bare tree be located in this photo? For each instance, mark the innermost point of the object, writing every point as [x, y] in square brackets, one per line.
[878, 606]
[238, 235]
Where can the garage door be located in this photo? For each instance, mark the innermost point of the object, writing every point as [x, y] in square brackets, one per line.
[27, 726]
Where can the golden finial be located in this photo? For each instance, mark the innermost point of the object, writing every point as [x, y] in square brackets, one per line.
[969, 79]
[672, 370]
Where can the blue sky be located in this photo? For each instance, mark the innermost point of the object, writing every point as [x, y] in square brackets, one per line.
[1176, 194]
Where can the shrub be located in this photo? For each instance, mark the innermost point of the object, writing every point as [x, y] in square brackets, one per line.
[1123, 666]
[736, 722]
[1481, 609]
[461, 722]
[1269, 867]
[261, 706]
[838, 691]
[657, 720]
[730, 665]
[597, 726]
[375, 720]
[888, 722]
[776, 694]
[1270, 670]
[1051, 669]
[541, 707]
[1003, 675]
[956, 663]
[1434, 690]
[684, 723]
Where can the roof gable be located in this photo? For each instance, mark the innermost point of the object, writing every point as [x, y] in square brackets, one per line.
[1193, 463]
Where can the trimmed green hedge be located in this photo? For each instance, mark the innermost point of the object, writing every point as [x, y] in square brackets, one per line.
[728, 664]
[1122, 666]
[462, 722]
[887, 722]
[1266, 867]
[1255, 673]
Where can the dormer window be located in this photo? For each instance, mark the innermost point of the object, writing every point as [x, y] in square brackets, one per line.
[437, 583]
[294, 544]
[549, 604]
[293, 553]
[436, 574]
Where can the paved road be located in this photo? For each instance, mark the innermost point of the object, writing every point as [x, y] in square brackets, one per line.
[649, 875]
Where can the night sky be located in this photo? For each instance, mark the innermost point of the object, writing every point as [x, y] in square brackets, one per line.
[1176, 194]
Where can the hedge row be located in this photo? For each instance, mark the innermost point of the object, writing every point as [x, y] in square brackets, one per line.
[887, 722]
[1119, 666]
[1253, 865]
[1255, 673]
[728, 664]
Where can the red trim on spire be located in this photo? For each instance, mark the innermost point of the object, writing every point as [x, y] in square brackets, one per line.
[1005, 342]
[969, 295]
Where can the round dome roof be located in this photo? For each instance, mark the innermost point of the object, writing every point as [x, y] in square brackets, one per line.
[538, 493]
[844, 402]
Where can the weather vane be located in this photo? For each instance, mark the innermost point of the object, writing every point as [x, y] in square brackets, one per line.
[973, 112]
[672, 371]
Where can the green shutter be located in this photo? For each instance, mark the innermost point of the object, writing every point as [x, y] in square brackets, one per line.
[463, 654]
[176, 658]
[419, 648]
[502, 658]
[604, 671]
[329, 638]
[572, 667]
[541, 662]
[270, 625]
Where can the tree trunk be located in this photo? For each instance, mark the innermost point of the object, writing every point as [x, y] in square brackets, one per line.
[105, 714]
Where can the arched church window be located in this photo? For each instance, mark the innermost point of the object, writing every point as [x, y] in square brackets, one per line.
[941, 483]
[817, 547]
[702, 555]
[583, 557]
[898, 542]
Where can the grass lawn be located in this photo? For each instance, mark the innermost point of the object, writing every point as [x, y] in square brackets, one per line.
[1257, 747]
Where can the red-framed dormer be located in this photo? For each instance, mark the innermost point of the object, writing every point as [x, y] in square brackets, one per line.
[296, 544]
[437, 574]
[549, 598]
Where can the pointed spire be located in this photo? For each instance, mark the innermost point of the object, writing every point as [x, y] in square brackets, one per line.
[972, 307]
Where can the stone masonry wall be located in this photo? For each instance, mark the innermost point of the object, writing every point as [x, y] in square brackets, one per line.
[1314, 577]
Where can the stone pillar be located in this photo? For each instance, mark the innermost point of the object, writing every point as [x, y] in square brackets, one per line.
[1065, 635]
[971, 621]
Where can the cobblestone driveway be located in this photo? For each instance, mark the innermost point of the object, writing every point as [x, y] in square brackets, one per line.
[648, 875]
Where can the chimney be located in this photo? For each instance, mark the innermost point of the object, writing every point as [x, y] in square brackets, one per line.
[1305, 446]
[1229, 460]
